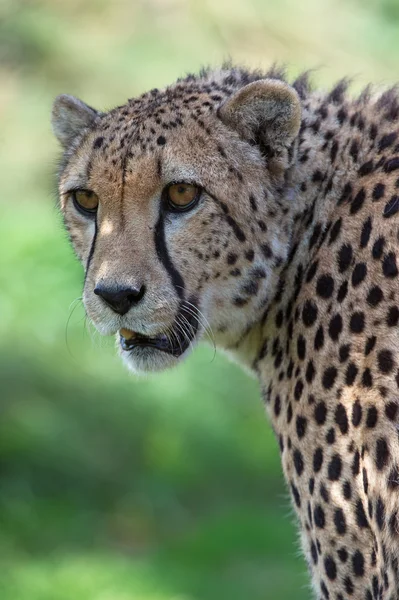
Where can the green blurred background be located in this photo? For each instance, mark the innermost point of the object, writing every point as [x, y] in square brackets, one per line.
[114, 488]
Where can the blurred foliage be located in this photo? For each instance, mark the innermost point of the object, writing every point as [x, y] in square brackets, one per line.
[114, 488]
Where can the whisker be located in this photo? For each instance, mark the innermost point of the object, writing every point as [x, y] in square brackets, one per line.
[72, 307]
[204, 322]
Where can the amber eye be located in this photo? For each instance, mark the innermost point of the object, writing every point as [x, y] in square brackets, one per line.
[182, 196]
[85, 201]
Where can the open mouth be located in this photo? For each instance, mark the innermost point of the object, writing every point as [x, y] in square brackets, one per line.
[175, 342]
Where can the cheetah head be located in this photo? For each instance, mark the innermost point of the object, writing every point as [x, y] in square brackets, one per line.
[178, 206]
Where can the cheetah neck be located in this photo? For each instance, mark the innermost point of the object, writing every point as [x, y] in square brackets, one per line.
[332, 150]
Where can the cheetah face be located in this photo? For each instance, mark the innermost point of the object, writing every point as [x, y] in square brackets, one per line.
[171, 206]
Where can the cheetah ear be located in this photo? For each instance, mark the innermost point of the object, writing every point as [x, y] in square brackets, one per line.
[267, 112]
[69, 117]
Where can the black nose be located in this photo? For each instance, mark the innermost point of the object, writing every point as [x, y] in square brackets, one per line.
[120, 299]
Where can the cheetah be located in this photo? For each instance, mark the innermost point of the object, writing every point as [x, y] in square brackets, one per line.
[268, 212]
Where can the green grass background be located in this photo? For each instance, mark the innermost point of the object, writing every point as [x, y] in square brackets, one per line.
[113, 488]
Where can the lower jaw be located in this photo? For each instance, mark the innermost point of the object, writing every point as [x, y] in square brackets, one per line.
[146, 359]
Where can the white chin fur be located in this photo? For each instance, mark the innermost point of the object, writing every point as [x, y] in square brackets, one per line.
[148, 360]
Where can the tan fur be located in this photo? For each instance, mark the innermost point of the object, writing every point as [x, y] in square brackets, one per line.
[290, 256]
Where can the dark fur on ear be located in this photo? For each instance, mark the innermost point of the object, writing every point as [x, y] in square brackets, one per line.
[266, 112]
[69, 117]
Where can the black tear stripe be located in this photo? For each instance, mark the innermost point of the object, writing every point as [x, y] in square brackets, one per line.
[163, 255]
[93, 243]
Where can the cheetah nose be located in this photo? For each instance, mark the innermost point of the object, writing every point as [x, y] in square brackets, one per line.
[119, 298]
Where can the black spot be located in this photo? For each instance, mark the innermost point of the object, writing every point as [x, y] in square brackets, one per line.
[386, 141]
[344, 257]
[335, 327]
[391, 164]
[318, 459]
[370, 343]
[346, 193]
[310, 372]
[238, 232]
[342, 292]
[334, 150]
[324, 590]
[367, 378]
[335, 468]
[319, 338]
[253, 202]
[330, 568]
[361, 518]
[340, 521]
[277, 405]
[325, 286]
[267, 251]
[98, 142]
[366, 231]
[231, 258]
[330, 437]
[380, 513]
[366, 168]
[315, 235]
[378, 191]
[320, 413]
[359, 274]
[324, 493]
[298, 390]
[391, 410]
[365, 481]
[378, 248]
[319, 517]
[351, 374]
[343, 555]
[341, 418]
[356, 413]
[344, 351]
[301, 347]
[357, 202]
[393, 316]
[301, 424]
[391, 207]
[296, 495]
[347, 490]
[385, 361]
[382, 454]
[349, 588]
[354, 149]
[298, 462]
[393, 478]
[335, 230]
[389, 267]
[356, 322]
[329, 377]
[161, 140]
[375, 296]
[356, 464]
[309, 313]
[372, 417]
[313, 552]
[341, 116]
[249, 255]
[358, 563]
[312, 271]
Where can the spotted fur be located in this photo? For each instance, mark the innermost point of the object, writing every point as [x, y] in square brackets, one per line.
[292, 257]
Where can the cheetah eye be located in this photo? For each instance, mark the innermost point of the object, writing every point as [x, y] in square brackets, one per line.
[182, 196]
[85, 201]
